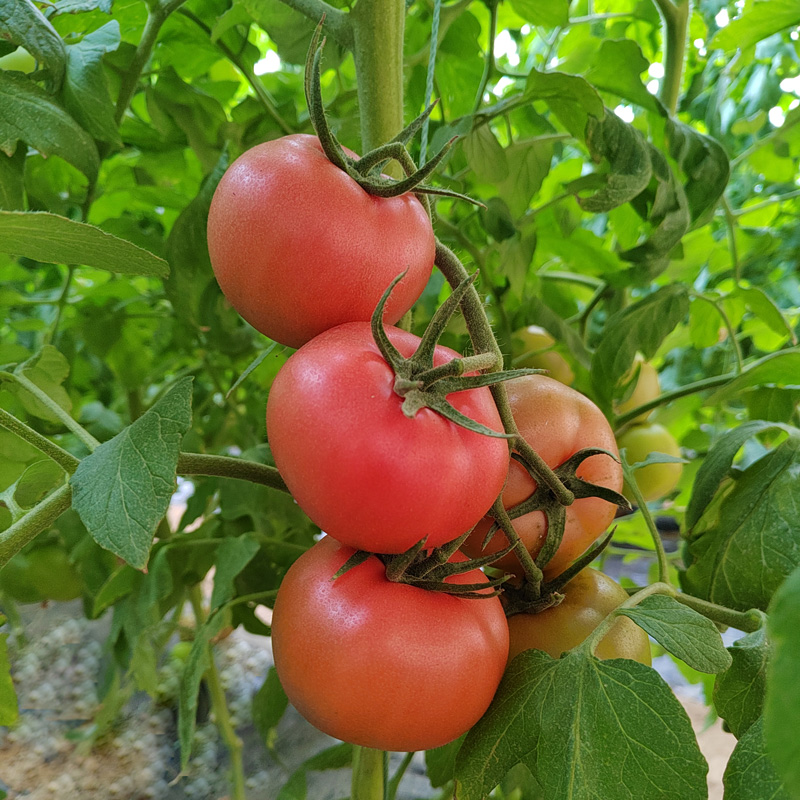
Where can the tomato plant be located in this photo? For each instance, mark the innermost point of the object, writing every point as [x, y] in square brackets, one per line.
[299, 247]
[44, 573]
[366, 473]
[643, 386]
[557, 421]
[588, 598]
[533, 347]
[654, 480]
[420, 687]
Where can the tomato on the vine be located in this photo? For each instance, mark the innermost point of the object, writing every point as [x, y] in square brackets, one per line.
[366, 473]
[588, 598]
[645, 389]
[556, 421]
[299, 247]
[533, 348]
[654, 480]
[381, 664]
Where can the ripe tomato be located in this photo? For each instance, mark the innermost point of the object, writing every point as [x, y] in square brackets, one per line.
[556, 421]
[588, 598]
[364, 472]
[299, 247]
[647, 388]
[381, 664]
[655, 480]
[533, 349]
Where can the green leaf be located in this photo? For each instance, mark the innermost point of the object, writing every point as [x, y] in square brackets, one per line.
[716, 465]
[586, 729]
[571, 98]
[29, 114]
[782, 706]
[547, 13]
[38, 480]
[641, 326]
[739, 692]
[337, 757]
[683, 632]
[58, 240]
[86, 94]
[269, 703]
[12, 193]
[233, 555]
[48, 369]
[627, 153]
[119, 583]
[528, 164]
[750, 774]
[617, 68]
[9, 709]
[758, 21]
[485, 155]
[122, 490]
[440, 762]
[748, 539]
[776, 369]
[25, 25]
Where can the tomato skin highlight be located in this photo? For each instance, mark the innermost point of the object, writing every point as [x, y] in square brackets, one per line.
[381, 664]
[588, 598]
[556, 421]
[364, 472]
[299, 247]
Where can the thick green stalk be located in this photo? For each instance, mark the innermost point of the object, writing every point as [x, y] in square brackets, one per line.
[378, 27]
[227, 467]
[675, 18]
[369, 774]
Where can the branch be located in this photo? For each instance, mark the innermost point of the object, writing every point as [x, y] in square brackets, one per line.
[226, 467]
[65, 460]
[336, 23]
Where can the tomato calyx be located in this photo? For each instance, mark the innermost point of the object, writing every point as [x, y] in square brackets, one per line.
[366, 171]
[429, 569]
[421, 385]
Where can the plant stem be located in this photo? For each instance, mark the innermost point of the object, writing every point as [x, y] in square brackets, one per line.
[219, 704]
[780, 198]
[745, 154]
[378, 27]
[60, 304]
[27, 528]
[227, 467]
[64, 459]
[747, 621]
[394, 783]
[156, 17]
[54, 407]
[488, 68]
[675, 19]
[369, 774]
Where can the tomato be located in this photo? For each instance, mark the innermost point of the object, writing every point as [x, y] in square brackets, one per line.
[299, 247]
[44, 573]
[647, 388]
[364, 472]
[655, 480]
[532, 348]
[588, 598]
[556, 421]
[15, 580]
[381, 664]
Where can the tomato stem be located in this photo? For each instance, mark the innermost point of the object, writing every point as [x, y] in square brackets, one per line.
[227, 467]
[369, 774]
[65, 460]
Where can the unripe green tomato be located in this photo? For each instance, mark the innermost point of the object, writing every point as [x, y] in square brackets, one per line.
[15, 580]
[655, 480]
[647, 388]
[53, 575]
[532, 349]
[588, 599]
[180, 652]
[20, 60]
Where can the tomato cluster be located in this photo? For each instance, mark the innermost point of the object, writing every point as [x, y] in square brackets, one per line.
[385, 480]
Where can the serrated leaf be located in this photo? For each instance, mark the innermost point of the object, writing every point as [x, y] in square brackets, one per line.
[269, 704]
[750, 774]
[233, 555]
[86, 94]
[617, 68]
[58, 240]
[739, 692]
[29, 114]
[742, 549]
[122, 490]
[9, 710]
[757, 22]
[485, 155]
[25, 25]
[716, 465]
[782, 706]
[586, 729]
[570, 97]
[641, 326]
[628, 157]
[776, 369]
[547, 13]
[683, 632]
